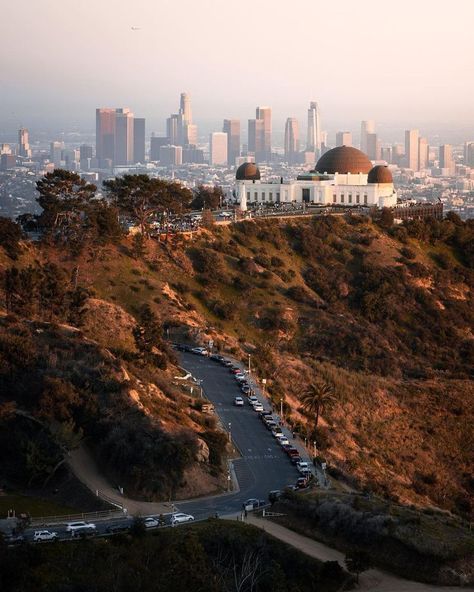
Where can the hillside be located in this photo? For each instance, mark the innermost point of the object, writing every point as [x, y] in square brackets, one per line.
[385, 316]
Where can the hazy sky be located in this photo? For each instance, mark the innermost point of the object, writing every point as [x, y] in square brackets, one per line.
[407, 62]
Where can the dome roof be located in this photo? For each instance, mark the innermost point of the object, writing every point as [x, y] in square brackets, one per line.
[380, 174]
[344, 159]
[248, 171]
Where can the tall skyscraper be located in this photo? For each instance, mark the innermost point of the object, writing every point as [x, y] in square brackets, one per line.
[366, 127]
[265, 114]
[185, 108]
[313, 142]
[105, 135]
[139, 140]
[344, 139]
[55, 151]
[218, 148]
[411, 149]
[423, 153]
[232, 128]
[172, 128]
[373, 147]
[255, 139]
[446, 160]
[24, 143]
[469, 154]
[123, 137]
[190, 134]
[292, 140]
[85, 156]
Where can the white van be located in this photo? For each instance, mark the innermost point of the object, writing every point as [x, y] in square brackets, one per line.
[80, 525]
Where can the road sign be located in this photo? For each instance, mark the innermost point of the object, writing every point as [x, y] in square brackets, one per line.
[323, 466]
[264, 381]
[211, 343]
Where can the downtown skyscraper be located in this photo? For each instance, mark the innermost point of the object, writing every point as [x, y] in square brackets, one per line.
[231, 127]
[265, 115]
[24, 143]
[411, 149]
[292, 140]
[313, 140]
[116, 143]
[367, 127]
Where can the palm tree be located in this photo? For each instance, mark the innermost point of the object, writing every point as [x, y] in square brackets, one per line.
[316, 397]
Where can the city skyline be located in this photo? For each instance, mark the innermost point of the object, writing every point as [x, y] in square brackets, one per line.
[106, 70]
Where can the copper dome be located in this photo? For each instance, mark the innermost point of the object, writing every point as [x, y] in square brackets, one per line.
[248, 172]
[344, 159]
[380, 174]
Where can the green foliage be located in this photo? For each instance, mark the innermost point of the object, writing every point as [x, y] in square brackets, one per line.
[206, 197]
[148, 336]
[358, 562]
[143, 198]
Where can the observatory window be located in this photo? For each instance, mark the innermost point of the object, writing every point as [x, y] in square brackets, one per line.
[342, 197]
[263, 195]
[248, 195]
[365, 199]
[358, 198]
[255, 195]
[350, 197]
[334, 198]
[270, 196]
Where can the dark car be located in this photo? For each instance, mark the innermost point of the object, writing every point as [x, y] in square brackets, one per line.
[301, 483]
[116, 528]
[14, 539]
[227, 363]
[216, 357]
[184, 347]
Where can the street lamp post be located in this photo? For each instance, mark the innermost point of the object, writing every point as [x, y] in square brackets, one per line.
[314, 448]
[281, 408]
[249, 364]
[230, 432]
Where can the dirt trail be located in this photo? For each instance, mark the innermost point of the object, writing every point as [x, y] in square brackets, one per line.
[374, 579]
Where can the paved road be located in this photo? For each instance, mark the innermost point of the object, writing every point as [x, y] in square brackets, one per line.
[263, 466]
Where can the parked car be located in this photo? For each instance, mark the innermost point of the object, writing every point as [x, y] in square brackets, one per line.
[216, 357]
[227, 363]
[180, 517]
[252, 399]
[301, 483]
[245, 389]
[258, 406]
[303, 466]
[119, 527]
[14, 539]
[45, 535]
[202, 351]
[270, 425]
[238, 402]
[151, 522]
[276, 430]
[184, 347]
[235, 370]
[253, 504]
[240, 377]
[284, 441]
[80, 524]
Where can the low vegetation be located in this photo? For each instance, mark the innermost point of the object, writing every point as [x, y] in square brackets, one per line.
[214, 557]
[429, 546]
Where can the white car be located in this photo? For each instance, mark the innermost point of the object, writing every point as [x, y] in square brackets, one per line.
[151, 522]
[202, 351]
[252, 399]
[303, 466]
[180, 517]
[45, 535]
[258, 406]
[240, 377]
[80, 525]
[283, 441]
[238, 402]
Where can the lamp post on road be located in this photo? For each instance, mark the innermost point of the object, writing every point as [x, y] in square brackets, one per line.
[314, 448]
[230, 432]
[281, 408]
[249, 364]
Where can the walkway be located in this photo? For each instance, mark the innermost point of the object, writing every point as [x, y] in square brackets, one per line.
[86, 470]
[374, 579]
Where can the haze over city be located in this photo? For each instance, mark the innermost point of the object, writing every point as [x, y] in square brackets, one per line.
[358, 61]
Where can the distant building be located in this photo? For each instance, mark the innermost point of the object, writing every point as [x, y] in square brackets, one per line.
[139, 140]
[265, 115]
[373, 147]
[423, 154]
[469, 154]
[105, 135]
[218, 148]
[171, 155]
[366, 127]
[55, 151]
[7, 161]
[344, 139]
[313, 140]
[255, 137]
[24, 143]
[446, 161]
[85, 157]
[173, 124]
[123, 154]
[191, 154]
[411, 149]
[343, 176]
[232, 128]
[292, 140]
[156, 142]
